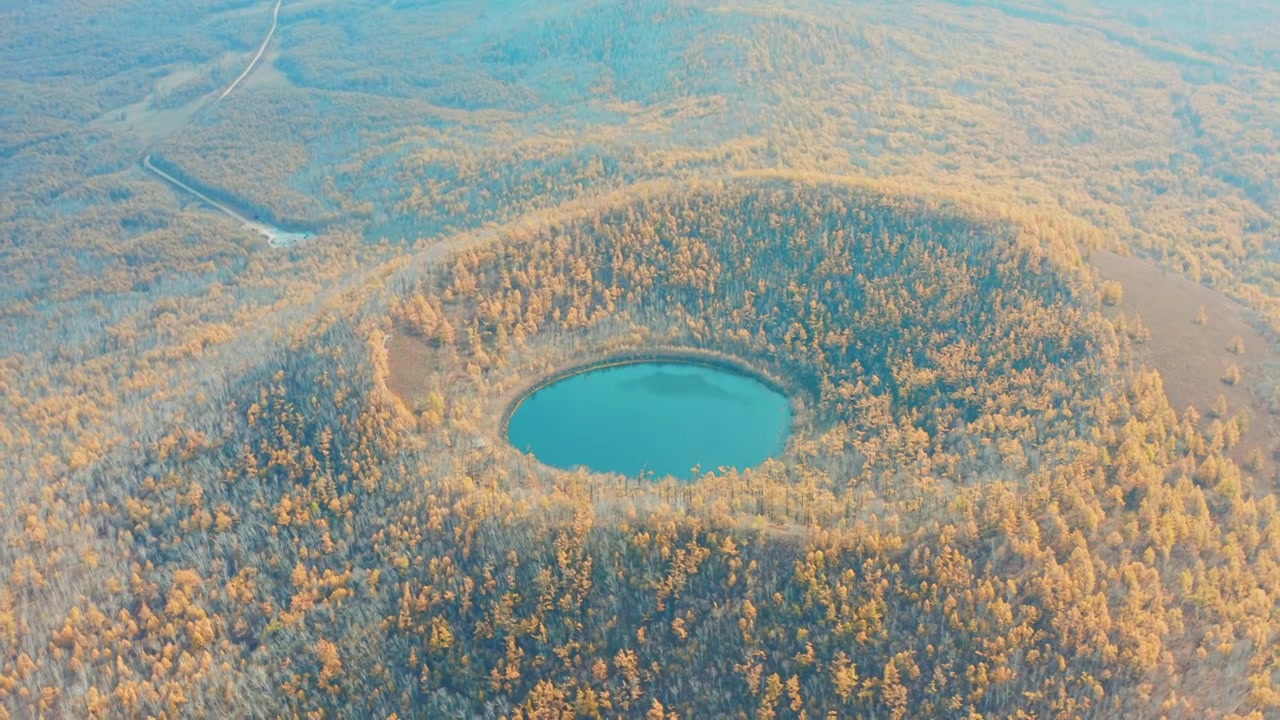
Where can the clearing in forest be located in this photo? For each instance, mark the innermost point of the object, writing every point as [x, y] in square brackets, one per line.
[1205, 345]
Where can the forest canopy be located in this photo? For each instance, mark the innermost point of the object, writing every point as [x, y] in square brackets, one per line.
[247, 477]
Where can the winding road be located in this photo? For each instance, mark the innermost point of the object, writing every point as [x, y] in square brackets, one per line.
[276, 237]
[275, 20]
[146, 163]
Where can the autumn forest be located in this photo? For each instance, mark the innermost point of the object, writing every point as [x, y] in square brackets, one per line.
[273, 277]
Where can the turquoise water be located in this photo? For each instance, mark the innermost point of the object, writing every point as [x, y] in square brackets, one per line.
[659, 417]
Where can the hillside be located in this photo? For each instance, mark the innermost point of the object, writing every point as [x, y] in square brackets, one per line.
[1013, 264]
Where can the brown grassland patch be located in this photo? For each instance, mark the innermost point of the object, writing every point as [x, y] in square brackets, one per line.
[1193, 358]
